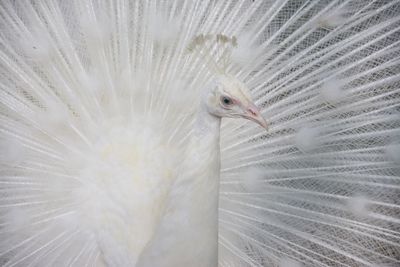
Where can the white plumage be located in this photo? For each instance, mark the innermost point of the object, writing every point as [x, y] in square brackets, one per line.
[111, 148]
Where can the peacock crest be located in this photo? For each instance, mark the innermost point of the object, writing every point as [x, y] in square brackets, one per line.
[215, 50]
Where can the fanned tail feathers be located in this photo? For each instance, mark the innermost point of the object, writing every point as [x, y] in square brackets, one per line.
[87, 88]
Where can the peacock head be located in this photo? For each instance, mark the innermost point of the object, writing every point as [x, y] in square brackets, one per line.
[230, 98]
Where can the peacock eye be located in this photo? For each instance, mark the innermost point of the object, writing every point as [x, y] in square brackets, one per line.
[226, 100]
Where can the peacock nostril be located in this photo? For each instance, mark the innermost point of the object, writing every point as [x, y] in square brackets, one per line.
[252, 111]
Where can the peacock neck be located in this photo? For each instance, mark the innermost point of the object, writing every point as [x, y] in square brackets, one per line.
[188, 232]
[206, 127]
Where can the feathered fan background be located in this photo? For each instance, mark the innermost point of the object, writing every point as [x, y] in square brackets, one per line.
[320, 188]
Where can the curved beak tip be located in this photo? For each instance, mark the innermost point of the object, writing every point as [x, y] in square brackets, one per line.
[255, 115]
[263, 123]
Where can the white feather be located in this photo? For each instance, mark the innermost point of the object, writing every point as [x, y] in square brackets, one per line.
[163, 30]
[393, 152]
[99, 99]
[332, 91]
[287, 262]
[245, 52]
[307, 139]
[358, 205]
[12, 151]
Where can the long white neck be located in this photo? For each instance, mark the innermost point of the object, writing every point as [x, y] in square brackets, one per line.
[188, 232]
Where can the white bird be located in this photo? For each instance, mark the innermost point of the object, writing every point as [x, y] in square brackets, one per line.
[113, 152]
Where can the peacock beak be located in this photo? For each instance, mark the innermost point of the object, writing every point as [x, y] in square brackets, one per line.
[254, 114]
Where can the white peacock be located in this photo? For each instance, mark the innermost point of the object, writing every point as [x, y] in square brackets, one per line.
[113, 152]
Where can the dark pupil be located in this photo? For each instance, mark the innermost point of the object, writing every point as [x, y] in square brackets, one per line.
[227, 101]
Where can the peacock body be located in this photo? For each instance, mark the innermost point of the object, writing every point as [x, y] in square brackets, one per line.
[113, 153]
